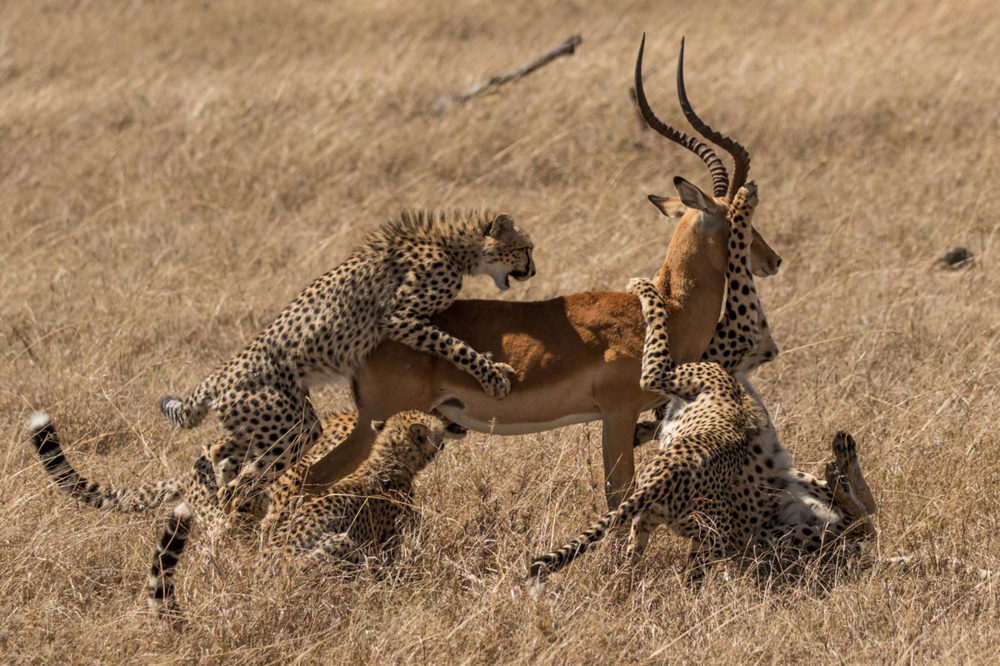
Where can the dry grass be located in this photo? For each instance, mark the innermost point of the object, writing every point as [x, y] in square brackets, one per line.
[173, 173]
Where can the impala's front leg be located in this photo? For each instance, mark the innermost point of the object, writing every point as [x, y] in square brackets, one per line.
[656, 362]
[420, 334]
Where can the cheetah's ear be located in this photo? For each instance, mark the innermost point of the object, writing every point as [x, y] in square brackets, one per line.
[378, 426]
[692, 196]
[669, 206]
[502, 223]
[419, 431]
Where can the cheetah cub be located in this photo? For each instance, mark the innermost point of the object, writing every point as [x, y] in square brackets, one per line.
[401, 274]
[721, 477]
[363, 511]
[357, 517]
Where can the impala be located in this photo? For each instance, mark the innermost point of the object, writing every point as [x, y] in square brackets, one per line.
[578, 357]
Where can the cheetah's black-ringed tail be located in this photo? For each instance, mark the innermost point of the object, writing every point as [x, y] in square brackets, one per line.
[47, 445]
[168, 553]
[557, 559]
[46, 442]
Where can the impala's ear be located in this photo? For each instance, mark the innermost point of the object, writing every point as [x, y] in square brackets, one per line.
[692, 196]
[377, 426]
[669, 206]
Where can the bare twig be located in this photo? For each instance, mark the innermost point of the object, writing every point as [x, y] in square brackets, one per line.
[568, 47]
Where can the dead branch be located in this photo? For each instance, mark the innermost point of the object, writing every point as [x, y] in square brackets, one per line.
[568, 47]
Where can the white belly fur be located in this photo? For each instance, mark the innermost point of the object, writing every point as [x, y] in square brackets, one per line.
[457, 414]
[316, 379]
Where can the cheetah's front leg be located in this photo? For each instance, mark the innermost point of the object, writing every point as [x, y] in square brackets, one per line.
[840, 476]
[845, 452]
[656, 362]
[339, 546]
[738, 331]
[420, 334]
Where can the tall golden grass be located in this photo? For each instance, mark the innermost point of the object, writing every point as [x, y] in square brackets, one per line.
[171, 174]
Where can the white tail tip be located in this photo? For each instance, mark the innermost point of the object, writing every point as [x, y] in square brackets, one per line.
[38, 420]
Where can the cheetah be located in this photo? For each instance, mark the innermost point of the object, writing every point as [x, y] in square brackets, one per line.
[400, 275]
[357, 517]
[721, 477]
[309, 529]
[197, 488]
[362, 510]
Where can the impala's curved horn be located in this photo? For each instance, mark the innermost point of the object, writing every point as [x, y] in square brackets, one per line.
[741, 157]
[720, 179]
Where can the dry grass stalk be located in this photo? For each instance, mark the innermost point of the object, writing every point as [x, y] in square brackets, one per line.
[170, 178]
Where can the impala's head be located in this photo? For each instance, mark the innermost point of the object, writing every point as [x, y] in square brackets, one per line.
[706, 214]
[506, 252]
[703, 213]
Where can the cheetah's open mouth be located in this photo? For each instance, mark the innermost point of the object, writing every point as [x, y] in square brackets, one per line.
[520, 276]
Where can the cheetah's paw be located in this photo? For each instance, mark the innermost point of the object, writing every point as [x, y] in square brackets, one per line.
[639, 286]
[496, 383]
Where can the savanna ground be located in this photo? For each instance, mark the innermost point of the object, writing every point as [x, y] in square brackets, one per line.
[173, 173]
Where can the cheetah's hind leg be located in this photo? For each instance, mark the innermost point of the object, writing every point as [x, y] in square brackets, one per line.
[845, 451]
[855, 513]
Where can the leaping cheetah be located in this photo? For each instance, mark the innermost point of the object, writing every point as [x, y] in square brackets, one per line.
[406, 271]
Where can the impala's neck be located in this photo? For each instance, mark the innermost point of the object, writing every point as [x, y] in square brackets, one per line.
[693, 283]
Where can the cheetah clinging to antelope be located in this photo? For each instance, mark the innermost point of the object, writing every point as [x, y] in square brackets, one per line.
[404, 272]
[722, 478]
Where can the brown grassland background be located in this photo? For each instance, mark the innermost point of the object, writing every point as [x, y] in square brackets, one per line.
[172, 173]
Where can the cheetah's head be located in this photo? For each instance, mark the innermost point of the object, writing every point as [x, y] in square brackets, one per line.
[417, 436]
[709, 218]
[506, 253]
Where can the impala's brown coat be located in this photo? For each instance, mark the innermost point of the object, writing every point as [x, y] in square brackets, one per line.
[577, 358]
